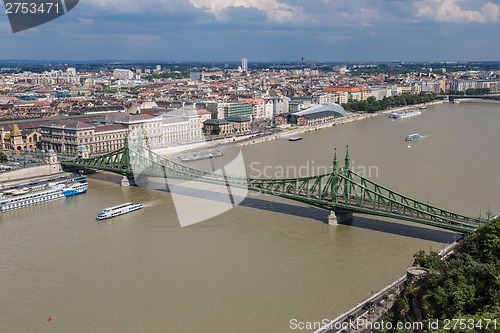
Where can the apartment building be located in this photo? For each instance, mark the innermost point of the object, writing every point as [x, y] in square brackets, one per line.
[222, 110]
[108, 133]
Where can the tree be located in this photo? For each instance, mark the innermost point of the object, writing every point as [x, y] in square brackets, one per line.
[429, 261]
[3, 157]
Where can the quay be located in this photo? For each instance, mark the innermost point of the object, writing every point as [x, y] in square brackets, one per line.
[50, 169]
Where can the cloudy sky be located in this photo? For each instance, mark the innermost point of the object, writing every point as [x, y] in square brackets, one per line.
[264, 30]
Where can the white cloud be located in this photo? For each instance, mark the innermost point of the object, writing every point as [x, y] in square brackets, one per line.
[123, 6]
[360, 12]
[136, 6]
[491, 12]
[451, 11]
[276, 12]
[363, 16]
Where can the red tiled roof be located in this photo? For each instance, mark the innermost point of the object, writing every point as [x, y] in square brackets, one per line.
[346, 89]
[109, 128]
[202, 111]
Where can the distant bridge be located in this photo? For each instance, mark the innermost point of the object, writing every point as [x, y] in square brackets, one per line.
[486, 97]
[342, 191]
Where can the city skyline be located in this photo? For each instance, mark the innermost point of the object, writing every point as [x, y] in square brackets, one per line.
[260, 30]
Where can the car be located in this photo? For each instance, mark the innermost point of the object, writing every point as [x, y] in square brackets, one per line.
[395, 211]
[367, 306]
[349, 319]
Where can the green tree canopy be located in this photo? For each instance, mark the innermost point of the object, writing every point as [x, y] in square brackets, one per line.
[3, 157]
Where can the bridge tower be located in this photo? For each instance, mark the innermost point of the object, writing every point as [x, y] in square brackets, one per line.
[338, 216]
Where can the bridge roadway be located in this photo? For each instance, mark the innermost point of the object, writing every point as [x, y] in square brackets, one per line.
[494, 97]
[342, 191]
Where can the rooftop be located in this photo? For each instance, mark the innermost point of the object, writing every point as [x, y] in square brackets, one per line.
[322, 107]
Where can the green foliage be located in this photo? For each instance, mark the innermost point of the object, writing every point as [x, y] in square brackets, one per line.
[3, 157]
[471, 92]
[484, 245]
[429, 261]
[478, 91]
[465, 286]
[371, 105]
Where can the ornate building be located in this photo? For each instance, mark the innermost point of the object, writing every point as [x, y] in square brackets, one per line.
[13, 138]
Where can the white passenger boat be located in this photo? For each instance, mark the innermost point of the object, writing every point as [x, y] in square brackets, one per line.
[200, 157]
[413, 137]
[125, 208]
[40, 192]
[405, 114]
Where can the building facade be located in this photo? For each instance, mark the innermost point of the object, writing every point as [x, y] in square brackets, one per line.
[222, 110]
[108, 133]
[13, 138]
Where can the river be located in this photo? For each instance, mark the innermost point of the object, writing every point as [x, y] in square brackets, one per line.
[259, 265]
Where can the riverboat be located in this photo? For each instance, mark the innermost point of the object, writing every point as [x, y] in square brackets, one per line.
[404, 114]
[200, 157]
[41, 192]
[295, 138]
[125, 208]
[413, 137]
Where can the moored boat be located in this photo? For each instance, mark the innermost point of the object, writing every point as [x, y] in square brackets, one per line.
[405, 114]
[295, 138]
[200, 157]
[41, 192]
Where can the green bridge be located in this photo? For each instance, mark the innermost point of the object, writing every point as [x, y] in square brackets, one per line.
[342, 191]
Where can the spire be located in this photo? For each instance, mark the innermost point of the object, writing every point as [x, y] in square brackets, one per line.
[347, 158]
[16, 131]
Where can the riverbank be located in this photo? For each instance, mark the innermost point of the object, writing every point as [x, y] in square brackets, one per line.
[207, 147]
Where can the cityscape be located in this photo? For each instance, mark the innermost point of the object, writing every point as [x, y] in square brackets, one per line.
[348, 187]
[46, 109]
